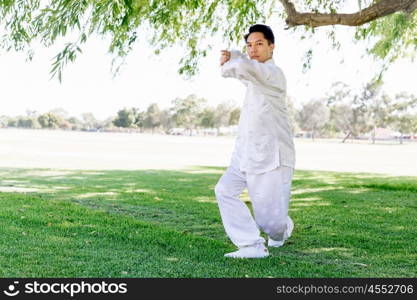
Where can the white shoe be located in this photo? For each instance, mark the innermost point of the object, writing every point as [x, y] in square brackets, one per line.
[287, 234]
[254, 251]
[276, 244]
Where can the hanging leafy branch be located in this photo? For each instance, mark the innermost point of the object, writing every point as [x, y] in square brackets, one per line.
[192, 23]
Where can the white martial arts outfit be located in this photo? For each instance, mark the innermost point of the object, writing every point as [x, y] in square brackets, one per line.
[263, 159]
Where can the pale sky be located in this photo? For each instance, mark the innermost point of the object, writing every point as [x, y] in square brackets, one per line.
[88, 85]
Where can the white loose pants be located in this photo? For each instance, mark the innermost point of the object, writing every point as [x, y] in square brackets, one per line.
[270, 195]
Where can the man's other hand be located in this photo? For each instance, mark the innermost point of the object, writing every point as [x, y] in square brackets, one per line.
[225, 56]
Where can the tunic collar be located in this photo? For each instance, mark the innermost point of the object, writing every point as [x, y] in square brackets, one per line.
[269, 61]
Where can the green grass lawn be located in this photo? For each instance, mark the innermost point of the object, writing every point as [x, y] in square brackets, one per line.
[158, 223]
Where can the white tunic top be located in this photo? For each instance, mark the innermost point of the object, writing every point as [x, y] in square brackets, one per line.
[264, 140]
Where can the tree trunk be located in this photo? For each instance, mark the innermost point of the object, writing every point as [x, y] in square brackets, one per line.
[373, 135]
[347, 136]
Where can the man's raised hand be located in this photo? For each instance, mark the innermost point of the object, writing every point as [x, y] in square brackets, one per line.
[225, 56]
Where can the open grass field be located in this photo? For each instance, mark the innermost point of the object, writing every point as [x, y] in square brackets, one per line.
[110, 151]
[165, 223]
[120, 205]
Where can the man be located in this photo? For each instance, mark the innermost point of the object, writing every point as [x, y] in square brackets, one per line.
[264, 157]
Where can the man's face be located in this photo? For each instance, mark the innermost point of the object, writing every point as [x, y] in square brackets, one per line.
[258, 47]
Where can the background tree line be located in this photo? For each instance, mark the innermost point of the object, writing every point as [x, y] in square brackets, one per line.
[343, 112]
[188, 113]
[184, 117]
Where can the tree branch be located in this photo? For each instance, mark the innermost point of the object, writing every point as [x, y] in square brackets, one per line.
[377, 10]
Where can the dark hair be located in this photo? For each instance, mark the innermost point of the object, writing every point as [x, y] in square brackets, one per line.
[266, 30]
